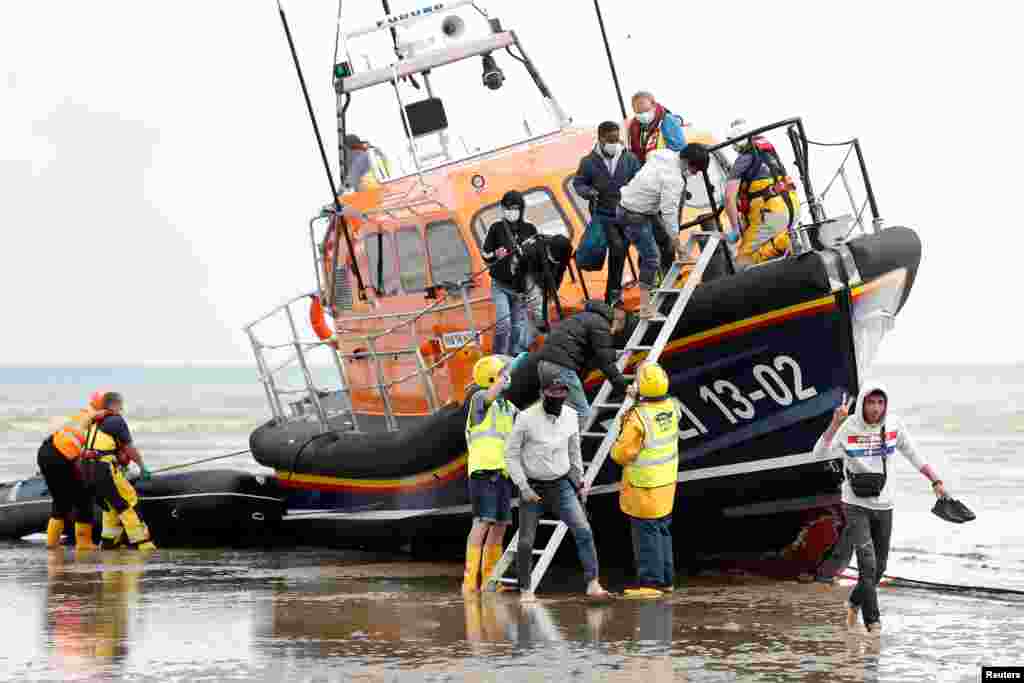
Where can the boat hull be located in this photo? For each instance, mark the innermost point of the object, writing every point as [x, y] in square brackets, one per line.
[759, 362]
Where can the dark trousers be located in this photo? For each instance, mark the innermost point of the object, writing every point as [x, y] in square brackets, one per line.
[867, 533]
[560, 500]
[652, 548]
[68, 493]
[616, 253]
[664, 242]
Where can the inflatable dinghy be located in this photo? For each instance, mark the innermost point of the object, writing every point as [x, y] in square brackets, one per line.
[221, 507]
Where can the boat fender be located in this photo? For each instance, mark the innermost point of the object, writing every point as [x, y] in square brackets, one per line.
[318, 321]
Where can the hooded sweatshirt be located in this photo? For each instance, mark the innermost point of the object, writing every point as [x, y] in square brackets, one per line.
[861, 447]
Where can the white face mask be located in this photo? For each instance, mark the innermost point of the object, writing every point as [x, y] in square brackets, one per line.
[511, 215]
[645, 117]
[611, 148]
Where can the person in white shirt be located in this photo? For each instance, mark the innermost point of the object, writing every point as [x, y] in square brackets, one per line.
[865, 440]
[543, 458]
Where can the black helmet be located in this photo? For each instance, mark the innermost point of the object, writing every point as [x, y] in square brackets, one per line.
[513, 200]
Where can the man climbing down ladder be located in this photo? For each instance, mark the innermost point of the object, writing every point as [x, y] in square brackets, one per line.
[593, 428]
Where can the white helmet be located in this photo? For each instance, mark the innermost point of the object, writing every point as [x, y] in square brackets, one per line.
[738, 128]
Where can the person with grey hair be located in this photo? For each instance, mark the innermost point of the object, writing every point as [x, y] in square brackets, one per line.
[653, 127]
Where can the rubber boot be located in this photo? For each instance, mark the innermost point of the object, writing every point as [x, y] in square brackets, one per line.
[53, 531]
[113, 533]
[491, 556]
[471, 575]
[83, 536]
[138, 532]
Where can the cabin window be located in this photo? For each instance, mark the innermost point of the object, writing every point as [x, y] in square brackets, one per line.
[412, 260]
[385, 281]
[449, 256]
[579, 203]
[541, 209]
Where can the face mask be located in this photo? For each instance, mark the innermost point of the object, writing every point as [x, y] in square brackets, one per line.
[511, 215]
[645, 117]
[553, 405]
[611, 148]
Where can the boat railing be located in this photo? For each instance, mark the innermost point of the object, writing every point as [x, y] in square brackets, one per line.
[820, 230]
[325, 398]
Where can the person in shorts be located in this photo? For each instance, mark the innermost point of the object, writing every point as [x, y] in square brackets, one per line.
[488, 424]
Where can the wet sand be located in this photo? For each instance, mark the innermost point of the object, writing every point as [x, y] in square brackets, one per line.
[318, 615]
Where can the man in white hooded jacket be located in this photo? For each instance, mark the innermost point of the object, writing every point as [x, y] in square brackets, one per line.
[865, 440]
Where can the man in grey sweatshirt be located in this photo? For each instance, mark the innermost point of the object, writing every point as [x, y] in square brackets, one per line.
[543, 458]
[864, 441]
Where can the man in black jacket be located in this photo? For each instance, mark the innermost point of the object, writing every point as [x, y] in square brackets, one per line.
[599, 179]
[579, 343]
[503, 253]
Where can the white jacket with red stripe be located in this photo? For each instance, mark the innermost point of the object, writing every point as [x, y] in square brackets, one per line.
[861, 447]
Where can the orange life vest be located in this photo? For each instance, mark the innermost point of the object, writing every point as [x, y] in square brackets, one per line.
[70, 438]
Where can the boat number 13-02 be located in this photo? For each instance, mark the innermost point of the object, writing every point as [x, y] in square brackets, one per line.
[736, 405]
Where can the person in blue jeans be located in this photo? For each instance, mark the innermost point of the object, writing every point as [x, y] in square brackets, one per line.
[503, 254]
[579, 343]
[599, 179]
[543, 458]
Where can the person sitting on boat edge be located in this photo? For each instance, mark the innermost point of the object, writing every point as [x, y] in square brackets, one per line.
[599, 179]
[761, 202]
[657, 188]
[502, 252]
[864, 441]
[544, 459]
[109, 450]
[648, 450]
[58, 459]
[581, 342]
[488, 425]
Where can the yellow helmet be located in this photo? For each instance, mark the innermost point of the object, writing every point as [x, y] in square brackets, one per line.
[487, 370]
[652, 380]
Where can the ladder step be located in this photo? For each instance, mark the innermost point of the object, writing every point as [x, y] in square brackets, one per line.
[550, 522]
[667, 291]
[607, 405]
[538, 552]
[596, 435]
[508, 580]
[641, 347]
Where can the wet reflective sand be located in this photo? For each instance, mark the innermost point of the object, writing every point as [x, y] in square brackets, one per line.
[315, 615]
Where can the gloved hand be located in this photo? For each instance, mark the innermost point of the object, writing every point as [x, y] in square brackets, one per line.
[732, 237]
[144, 473]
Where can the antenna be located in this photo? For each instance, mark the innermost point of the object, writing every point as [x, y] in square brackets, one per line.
[323, 154]
[611, 63]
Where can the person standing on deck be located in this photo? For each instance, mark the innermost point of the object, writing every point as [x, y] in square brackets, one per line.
[502, 252]
[760, 200]
[864, 441]
[653, 127]
[599, 180]
[544, 460]
[488, 425]
[109, 450]
[648, 450]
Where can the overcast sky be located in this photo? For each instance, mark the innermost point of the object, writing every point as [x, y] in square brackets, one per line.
[157, 168]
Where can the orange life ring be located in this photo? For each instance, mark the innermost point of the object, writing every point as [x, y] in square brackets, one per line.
[317, 320]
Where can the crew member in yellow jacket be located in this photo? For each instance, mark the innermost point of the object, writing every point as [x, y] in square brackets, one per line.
[648, 450]
[488, 425]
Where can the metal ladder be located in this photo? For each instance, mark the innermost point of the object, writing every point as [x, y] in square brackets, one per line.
[634, 345]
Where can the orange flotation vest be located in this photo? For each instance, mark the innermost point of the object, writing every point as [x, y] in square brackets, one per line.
[70, 438]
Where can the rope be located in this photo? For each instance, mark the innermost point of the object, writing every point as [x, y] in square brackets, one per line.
[901, 582]
[196, 462]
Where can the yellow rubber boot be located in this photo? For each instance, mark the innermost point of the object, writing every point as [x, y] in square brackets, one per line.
[492, 553]
[83, 537]
[53, 531]
[471, 575]
[138, 532]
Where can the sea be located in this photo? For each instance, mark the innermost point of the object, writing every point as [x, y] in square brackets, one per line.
[308, 614]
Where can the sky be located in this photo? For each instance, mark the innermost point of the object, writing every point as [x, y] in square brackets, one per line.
[158, 169]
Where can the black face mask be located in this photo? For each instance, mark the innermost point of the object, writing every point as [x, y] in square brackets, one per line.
[553, 405]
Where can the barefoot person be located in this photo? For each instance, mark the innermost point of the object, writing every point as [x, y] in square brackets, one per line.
[543, 457]
[865, 440]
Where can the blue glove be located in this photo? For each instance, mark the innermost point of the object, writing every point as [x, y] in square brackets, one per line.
[732, 237]
[145, 474]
